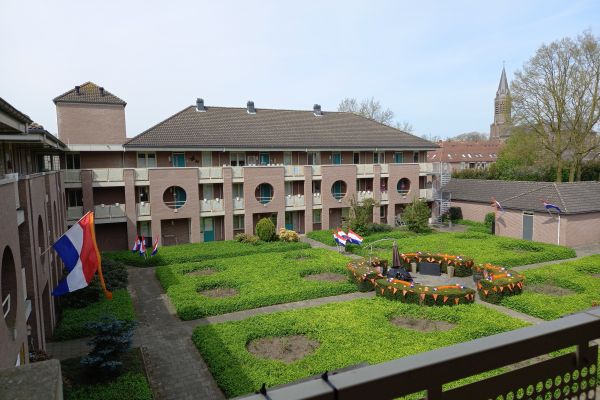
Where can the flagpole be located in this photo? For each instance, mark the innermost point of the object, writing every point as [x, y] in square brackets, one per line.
[49, 247]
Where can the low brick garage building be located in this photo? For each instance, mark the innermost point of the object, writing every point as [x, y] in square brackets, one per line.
[524, 215]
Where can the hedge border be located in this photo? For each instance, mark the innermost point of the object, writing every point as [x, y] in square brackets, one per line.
[498, 282]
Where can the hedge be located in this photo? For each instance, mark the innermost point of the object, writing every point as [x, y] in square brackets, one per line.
[447, 295]
[498, 283]
[581, 276]
[201, 251]
[73, 320]
[349, 333]
[260, 279]
[481, 247]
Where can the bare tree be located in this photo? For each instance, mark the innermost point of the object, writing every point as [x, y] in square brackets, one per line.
[372, 109]
[469, 137]
[556, 97]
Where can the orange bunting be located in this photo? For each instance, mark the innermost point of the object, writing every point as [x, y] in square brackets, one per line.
[456, 300]
[382, 290]
[422, 296]
[435, 296]
[478, 285]
[486, 292]
[404, 292]
[501, 289]
[495, 289]
[394, 290]
[445, 299]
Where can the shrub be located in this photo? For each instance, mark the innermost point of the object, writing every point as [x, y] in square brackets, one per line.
[115, 277]
[376, 228]
[288, 235]
[455, 214]
[489, 220]
[361, 215]
[416, 215]
[245, 238]
[113, 339]
[265, 230]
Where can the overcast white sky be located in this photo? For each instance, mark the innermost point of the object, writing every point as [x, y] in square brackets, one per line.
[436, 64]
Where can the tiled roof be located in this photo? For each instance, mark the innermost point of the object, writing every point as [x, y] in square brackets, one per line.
[223, 127]
[456, 152]
[89, 92]
[9, 109]
[572, 198]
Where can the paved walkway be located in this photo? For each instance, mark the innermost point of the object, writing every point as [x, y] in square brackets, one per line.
[317, 244]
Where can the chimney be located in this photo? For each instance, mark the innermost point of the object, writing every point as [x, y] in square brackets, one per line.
[101, 91]
[250, 107]
[317, 110]
[200, 105]
[77, 90]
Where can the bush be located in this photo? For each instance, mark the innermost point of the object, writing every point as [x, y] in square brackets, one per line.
[288, 235]
[455, 214]
[113, 339]
[265, 230]
[489, 220]
[245, 238]
[115, 277]
[416, 215]
[376, 228]
[361, 215]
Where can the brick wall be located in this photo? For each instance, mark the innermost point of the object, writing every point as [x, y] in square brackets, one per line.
[91, 123]
[473, 211]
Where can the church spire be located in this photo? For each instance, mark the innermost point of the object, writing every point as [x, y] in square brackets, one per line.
[503, 85]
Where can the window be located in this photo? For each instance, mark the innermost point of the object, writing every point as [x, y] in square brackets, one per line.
[178, 160]
[287, 158]
[73, 161]
[416, 157]
[264, 158]
[237, 159]
[336, 158]
[238, 190]
[356, 157]
[316, 187]
[206, 159]
[146, 160]
[317, 216]
[238, 223]
[382, 212]
[398, 157]
[314, 158]
[74, 198]
[56, 163]
[143, 193]
[264, 193]
[46, 163]
[403, 186]
[379, 157]
[338, 190]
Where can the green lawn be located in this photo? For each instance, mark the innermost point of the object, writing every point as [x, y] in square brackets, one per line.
[580, 276]
[260, 279]
[73, 320]
[506, 252]
[131, 385]
[349, 333]
[201, 251]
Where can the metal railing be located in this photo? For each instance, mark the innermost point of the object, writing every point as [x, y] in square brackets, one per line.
[175, 205]
[293, 171]
[317, 199]
[109, 211]
[364, 194]
[238, 203]
[143, 208]
[211, 205]
[74, 212]
[294, 200]
[264, 200]
[6, 305]
[571, 375]
[338, 195]
[107, 174]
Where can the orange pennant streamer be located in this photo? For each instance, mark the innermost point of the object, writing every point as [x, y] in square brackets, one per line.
[404, 292]
[422, 296]
[435, 296]
[394, 290]
[486, 292]
[445, 298]
[456, 300]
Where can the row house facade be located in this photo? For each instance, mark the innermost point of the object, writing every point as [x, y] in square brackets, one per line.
[207, 173]
[33, 215]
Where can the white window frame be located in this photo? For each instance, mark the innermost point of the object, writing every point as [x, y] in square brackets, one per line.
[379, 157]
[146, 157]
[237, 157]
[238, 217]
[313, 158]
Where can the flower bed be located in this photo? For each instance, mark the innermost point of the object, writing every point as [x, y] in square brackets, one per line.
[462, 266]
[409, 292]
[498, 282]
[365, 274]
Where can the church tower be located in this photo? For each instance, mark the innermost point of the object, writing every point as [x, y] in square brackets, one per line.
[500, 129]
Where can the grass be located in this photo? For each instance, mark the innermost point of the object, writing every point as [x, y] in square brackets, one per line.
[201, 251]
[73, 320]
[260, 279]
[131, 385]
[502, 251]
[349, 333]
[581, 276]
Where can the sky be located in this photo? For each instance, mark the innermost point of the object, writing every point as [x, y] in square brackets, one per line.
[435, 64]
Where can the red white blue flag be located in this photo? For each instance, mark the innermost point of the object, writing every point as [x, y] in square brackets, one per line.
[79, 252]
[550, 206]
[339, 239]
[136, 245]
[354, 238]
[143, 247]
[155, 247]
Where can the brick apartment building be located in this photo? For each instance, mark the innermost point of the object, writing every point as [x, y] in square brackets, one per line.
[207, 173]
[33, 215]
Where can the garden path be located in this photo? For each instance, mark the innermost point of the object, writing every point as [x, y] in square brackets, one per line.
[317, 244]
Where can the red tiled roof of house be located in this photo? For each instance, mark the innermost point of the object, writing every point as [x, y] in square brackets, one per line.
[451, 151]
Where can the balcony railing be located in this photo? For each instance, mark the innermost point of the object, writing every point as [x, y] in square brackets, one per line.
[317, 199]
[141, 174]
[237, 172]
[316, 170]
[384, 195]
[294, 171]
[364, 169]
[143, 209]
[72, 176]
[211, 205]
[264, 199]
[238, 203]
[426, 193]
[74, 212]
[107, 175]
[426, 168]
[364, 194]
[109, 211]
[11, 179]
[570, 376]
[210, 172]
[294, 200]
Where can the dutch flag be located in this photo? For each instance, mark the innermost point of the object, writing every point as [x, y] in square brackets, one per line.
[354, 238]
[549, 206]
[155, 247]
[136, 245]
[143, 247]
[339, 239]
[342, 234]
[79, 252]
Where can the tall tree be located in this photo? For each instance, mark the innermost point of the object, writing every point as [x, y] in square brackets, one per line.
[555, 96]
[372, 109]
[469, 137]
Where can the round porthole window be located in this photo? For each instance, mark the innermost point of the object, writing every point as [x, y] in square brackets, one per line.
[403, 186]
[174, 197]
[264, 193]
[338, 190]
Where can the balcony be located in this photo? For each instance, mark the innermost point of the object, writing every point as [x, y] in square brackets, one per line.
[294, 200]
[107, 176]
[210, 173]
[316, 170]
[426, 194]
[11, 179]
[74, 213]
[141, 174]
[72, 176]
[294, 171]
[364, 169]
[143, 209]
[384, 195]
[211, 205]
[106, 213]
[362, 195]
[237, 172]
[238, 203]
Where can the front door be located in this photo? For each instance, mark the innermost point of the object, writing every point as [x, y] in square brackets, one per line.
[528, 226]
[208, 229]
[178, 160]
[336, 158]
